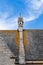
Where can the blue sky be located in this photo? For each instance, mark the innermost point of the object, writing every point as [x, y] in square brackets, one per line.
[31, 11]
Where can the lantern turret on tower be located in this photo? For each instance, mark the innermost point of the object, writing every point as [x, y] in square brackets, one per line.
[20, 23]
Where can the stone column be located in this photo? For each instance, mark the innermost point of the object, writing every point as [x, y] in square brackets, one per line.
[21, 47]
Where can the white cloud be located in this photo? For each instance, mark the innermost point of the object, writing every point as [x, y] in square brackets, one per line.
[37, 4]
[4, 26]
[28, 19]
[34, 8]
[5, 23]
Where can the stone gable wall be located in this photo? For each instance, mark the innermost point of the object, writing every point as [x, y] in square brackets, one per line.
[9, 45]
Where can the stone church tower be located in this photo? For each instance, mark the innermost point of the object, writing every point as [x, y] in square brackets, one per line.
[21, 46]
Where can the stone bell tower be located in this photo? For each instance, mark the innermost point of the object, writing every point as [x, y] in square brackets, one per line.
[21, 45]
